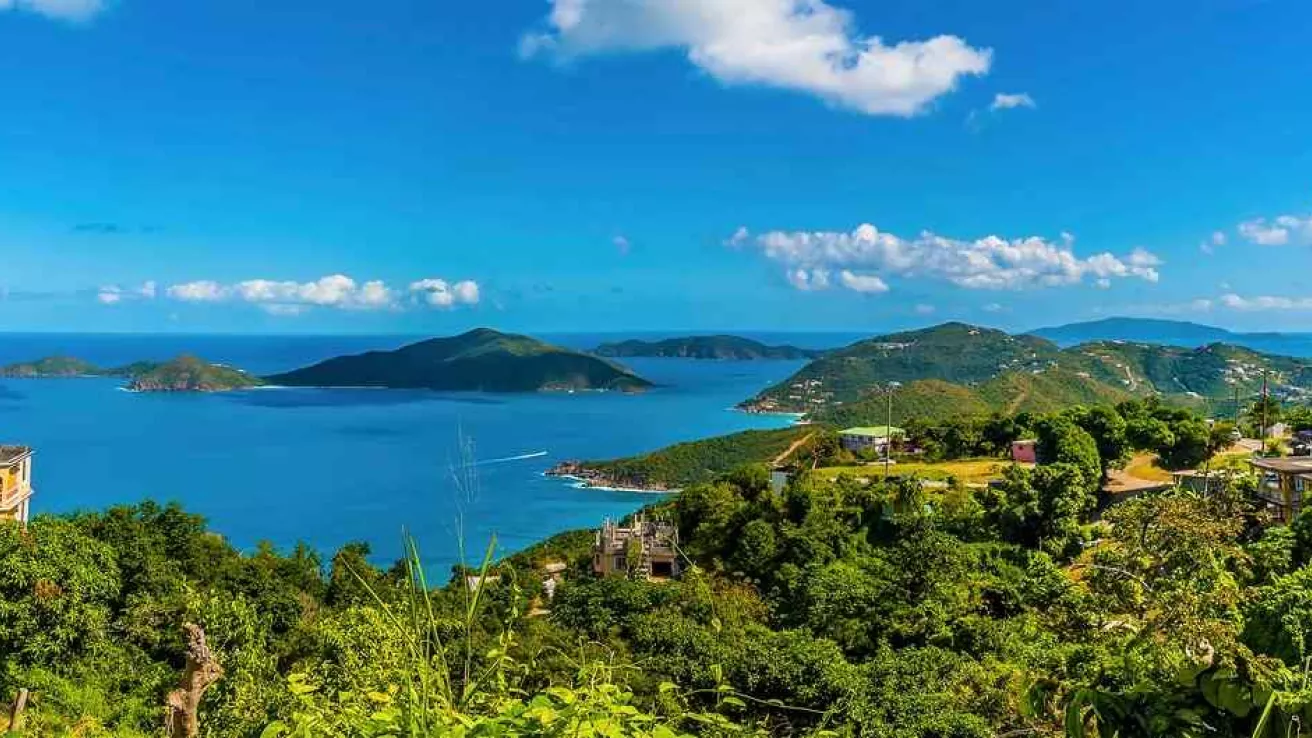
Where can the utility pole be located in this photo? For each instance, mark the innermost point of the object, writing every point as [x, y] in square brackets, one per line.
[888, 428]
[1263, 411]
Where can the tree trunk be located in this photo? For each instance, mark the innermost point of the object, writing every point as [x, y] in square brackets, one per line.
[16, 714]
[203, 670]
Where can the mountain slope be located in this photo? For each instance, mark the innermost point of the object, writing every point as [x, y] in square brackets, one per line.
[734, 348]
[954, 369]
[480, 360]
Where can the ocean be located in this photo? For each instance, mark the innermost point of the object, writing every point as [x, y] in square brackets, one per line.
[329, 467]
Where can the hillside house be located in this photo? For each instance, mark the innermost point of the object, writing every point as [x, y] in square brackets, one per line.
[870, 438]
[1282, 484]
[1025, 451]
[15, 483]
[648, 548]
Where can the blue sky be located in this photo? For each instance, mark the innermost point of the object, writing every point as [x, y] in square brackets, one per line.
[652, 164]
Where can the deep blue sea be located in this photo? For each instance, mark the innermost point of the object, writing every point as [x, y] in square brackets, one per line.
[333, 466]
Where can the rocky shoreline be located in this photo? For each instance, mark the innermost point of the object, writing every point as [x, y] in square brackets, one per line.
[593, 478]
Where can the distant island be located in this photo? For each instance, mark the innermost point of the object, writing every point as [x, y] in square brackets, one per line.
[190, 374]
[731, 348]
[956, 369]
[480, 360]
[55, 367]
[183, 374]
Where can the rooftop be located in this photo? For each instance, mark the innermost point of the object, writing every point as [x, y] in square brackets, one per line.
[874, 431]
[1285, 465]
[13, 454]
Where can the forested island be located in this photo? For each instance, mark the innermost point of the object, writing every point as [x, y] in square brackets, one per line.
[726, 348]
[185, 373]
[481, 360]
[190, 374]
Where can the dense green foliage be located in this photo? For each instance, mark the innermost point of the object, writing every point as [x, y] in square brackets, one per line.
[480, 360]
[700, 461]
[843, 607]
[734, 348]
[190, 374]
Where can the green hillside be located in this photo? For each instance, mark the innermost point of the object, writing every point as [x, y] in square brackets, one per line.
[695, 461]
[733, 348]
[52, 367]
[979, 370]
[190, 374]
[480, 360]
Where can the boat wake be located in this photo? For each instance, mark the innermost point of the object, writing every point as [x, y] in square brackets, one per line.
[520, 457]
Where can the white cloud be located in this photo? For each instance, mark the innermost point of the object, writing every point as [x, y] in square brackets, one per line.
[1265, 302]
[993, 307]
[923, 309]
[621, 244]
[334, 291]
[113, 294]
[69, 10]
[199, 291]
[803, 45]
[440, 293]
[1003, 101]
[807, 280]
[1283, 230]
[989, 263]
[862, 282]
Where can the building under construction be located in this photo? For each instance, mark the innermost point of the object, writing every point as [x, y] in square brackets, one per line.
[646, 548]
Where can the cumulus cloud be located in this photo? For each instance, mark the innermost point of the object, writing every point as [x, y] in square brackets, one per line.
[113, 294]
[335, 291]
[993, 307]
[1282, 230]
[807, 46]
[440, 293]
[1004, 101]
[1265, 302]
[69, 10]
[862, 282]
[988, 263]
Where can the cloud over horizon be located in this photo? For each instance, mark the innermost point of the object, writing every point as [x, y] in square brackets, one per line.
[807, 46]
[336, 291]
[865, 256]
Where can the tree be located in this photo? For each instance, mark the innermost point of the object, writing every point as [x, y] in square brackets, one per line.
[1191, 444]
[1108, 430]
[1061, 441]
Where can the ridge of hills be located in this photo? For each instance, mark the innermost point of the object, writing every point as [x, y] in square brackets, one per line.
[956, 368]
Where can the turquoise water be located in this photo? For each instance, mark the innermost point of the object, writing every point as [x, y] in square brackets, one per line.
[332, 466]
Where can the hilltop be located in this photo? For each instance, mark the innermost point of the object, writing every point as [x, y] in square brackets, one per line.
[480, 360]
[53, 367]
[735, 348]
[1180, 333]
[189, 374]
[961, 369]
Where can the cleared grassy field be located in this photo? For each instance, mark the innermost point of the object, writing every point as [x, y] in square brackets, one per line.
[966, 470]
[1144, 466]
